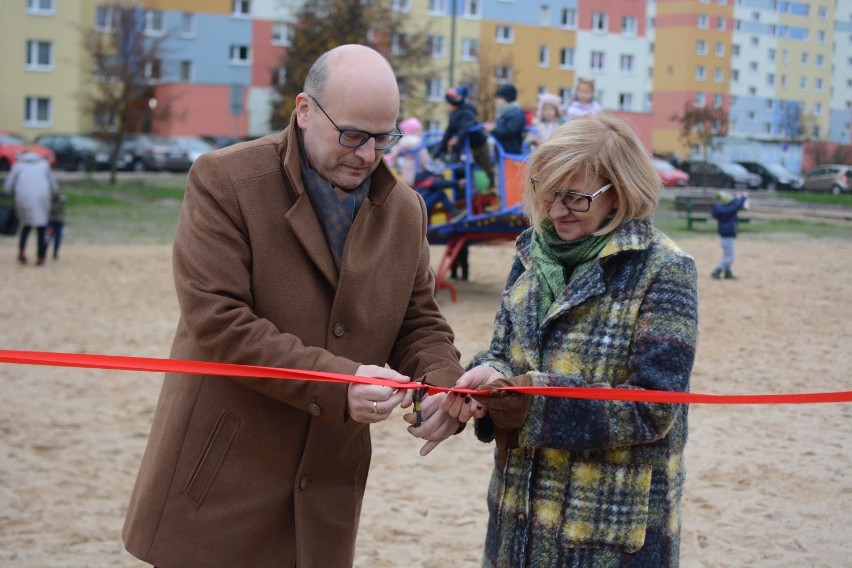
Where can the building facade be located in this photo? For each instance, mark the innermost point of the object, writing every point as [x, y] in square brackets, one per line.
[780, 69]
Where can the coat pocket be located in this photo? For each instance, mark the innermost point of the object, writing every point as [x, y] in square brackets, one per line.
[607, 505]
[212, 457]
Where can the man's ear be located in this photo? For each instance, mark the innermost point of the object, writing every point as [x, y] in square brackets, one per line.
[303, 103]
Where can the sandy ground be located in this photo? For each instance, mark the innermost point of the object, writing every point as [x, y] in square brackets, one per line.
[767, 485]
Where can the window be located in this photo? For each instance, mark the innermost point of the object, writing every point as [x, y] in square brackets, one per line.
[625, 101]
[434, 88]
[564, 94]
[718, 100]
[153, 70]
[37, 111]
[701, 47]
[186, 71]
[752, 67]
[437, 7]
[282, 33]
[400, 43]
[820, 61]
[755, 41]
[721, 23]
[543, 56]
[786, 57]
[751, 117]
[821, 36]
[818, 84]
[700, 73]
[105, 18]
[436, 45]
[598, 61]
[626, 64]
[470, 49]
[242, 7]
[817, 109]
[735, 50]
[703, 22]
[41, 7]
[770, 104]
[803, 83]
[720, 49]
[240, 54]
[783, 81]
[505, 34]
[770, 79]
[568, 18]
[544, 15]
[401, 5]
[502, 74]
[718, 74]
[629, 25]
[599, 22]
[771, 54]
[822, 13]
[279, 76]
[566, 58]
[699, 99]
[472, 9]
[735, 76]
[39, 55]
[154, 23]
[187, 24]
[805, 58]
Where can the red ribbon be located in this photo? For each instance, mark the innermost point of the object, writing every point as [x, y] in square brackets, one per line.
[151, 364]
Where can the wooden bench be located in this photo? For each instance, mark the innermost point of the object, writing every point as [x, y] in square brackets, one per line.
[698, 208]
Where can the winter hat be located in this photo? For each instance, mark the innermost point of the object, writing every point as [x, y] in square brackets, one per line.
[410, 126]
[457, 95]
[549, 99]
[724, 197]
[507, 92]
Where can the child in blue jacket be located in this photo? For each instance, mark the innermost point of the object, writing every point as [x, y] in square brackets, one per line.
[725, 212]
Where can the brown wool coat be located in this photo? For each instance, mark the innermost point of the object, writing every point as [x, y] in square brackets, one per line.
[262, 473]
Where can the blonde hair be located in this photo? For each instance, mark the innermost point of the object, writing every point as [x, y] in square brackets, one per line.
[585, 81]
[599, 146]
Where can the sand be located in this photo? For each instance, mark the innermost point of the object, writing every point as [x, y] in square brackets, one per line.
[767, 485]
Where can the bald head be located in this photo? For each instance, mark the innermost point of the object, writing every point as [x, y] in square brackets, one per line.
[352, 68]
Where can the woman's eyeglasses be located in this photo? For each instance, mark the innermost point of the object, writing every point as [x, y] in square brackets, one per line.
[573, 200]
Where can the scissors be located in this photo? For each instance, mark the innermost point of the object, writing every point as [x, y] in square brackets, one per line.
[417, 397]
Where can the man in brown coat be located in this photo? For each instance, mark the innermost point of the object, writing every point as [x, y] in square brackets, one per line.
[298, 250]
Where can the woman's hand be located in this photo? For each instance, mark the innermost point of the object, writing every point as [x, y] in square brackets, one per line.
[463, 407]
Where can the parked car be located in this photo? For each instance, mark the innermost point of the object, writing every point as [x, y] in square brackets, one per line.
[670, 175]
[709, 174]
[774, 176]
[151, 152]
[193, 145]
[76, 152]
[742, 177]
[12, 144]
[835, 178]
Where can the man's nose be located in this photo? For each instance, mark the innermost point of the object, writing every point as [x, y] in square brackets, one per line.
[367, 150]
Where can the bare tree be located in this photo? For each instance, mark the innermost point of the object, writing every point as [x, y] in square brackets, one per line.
[326, 24]
[700, 125]
[482, 81]
[125, 65]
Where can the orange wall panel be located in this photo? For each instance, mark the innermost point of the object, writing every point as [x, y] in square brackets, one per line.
[198, 109]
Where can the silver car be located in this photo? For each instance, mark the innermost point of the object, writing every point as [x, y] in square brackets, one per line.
[835, 178]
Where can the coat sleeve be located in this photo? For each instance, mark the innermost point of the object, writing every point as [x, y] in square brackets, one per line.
[661, 355]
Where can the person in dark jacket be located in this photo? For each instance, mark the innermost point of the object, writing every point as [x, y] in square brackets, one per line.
[725, 212]
[511, 120]
[463, 124]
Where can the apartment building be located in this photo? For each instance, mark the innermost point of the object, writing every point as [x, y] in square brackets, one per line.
[777, 67]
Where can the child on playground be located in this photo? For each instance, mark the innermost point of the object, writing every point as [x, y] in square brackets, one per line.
[409, 156]
[432, 186]
[548, 117]
[725, 212]
[584, 102]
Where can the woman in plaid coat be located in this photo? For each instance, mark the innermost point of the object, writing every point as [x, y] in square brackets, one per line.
[596, 297]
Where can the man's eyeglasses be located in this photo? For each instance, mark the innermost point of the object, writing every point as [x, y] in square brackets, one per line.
[573, 200]
[352, 138]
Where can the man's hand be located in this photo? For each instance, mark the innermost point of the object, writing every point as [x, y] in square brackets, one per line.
[437, 425]
[374, 403]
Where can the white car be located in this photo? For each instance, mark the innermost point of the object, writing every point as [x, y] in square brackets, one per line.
[193, 145]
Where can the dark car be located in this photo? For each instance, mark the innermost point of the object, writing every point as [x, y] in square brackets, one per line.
[709, 174]
[153, 153]
[76, 152]
[773, 176]
[835, 178]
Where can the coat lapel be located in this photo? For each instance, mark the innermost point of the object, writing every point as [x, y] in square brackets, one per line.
[304, 223]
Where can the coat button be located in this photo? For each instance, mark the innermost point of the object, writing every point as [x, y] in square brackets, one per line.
[339, 330]
[314, 409]
[303, 483]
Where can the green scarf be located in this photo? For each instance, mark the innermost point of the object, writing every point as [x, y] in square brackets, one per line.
[554, 260]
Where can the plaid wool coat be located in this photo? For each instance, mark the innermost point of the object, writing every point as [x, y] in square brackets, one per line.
[595, 483]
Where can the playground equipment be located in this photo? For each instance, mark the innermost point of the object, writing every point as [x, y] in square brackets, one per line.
[495, 217]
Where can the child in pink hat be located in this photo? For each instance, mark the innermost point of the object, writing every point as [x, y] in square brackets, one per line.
[409, 156]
